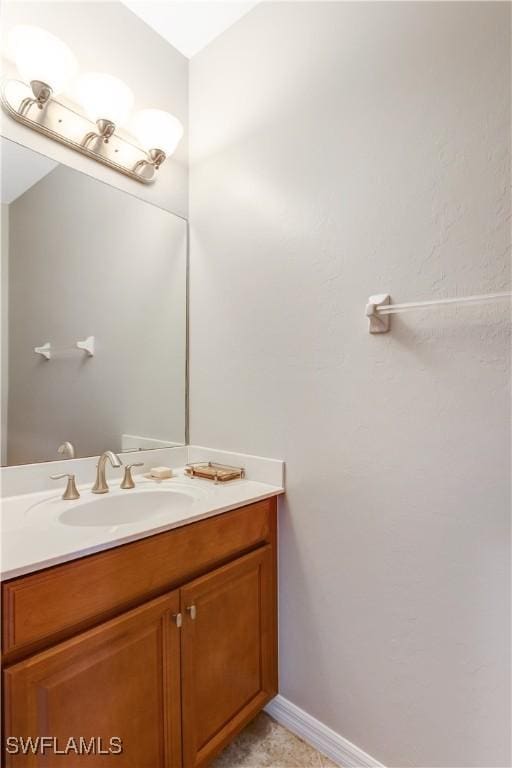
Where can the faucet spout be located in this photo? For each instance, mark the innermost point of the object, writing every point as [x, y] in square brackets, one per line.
[101, 485]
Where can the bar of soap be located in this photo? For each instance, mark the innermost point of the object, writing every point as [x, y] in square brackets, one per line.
[161, 473]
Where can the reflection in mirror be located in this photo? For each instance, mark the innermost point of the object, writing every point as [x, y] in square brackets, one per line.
[83, 262]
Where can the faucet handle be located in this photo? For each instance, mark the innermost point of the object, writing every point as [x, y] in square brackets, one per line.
[128, 479]
[71, 491]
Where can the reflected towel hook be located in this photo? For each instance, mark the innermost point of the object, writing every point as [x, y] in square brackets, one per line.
[45, 350]
[87, 345]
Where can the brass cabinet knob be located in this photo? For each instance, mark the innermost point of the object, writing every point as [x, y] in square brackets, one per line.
[127, 481]
[71, 491]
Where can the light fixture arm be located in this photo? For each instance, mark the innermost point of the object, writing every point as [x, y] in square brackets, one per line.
[106, 129]
[154, 159]
[42, 95]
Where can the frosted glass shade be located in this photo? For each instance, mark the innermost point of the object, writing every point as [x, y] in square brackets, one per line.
[104, 97]
[39, 55]
[156, 129]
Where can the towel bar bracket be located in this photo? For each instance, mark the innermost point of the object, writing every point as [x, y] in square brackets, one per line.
[378, 323]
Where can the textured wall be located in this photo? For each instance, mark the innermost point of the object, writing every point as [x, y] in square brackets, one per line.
[342, 149]
[107, 37]
[114, 269]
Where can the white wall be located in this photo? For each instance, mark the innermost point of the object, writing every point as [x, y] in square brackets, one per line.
[107, 37]
[114, 269]
[342, 149]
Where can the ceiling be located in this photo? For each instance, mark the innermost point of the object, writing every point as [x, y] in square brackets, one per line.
[21, 169]
[189, 25]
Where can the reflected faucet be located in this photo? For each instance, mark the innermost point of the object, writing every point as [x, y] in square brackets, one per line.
[101, 486]
[67, 450]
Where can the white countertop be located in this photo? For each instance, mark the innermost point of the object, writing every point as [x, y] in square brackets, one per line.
[33, 535]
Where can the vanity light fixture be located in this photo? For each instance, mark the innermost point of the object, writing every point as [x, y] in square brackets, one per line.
[46, 66]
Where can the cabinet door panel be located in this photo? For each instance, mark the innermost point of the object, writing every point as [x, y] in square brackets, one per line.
[120, 679]
[228, 652]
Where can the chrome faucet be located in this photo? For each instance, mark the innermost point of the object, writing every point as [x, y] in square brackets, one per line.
[101, 486]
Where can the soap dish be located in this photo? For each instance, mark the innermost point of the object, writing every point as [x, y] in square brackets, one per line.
[219, 473]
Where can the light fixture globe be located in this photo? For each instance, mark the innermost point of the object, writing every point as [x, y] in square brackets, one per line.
[158, 132]
[41, 57]
[104, 97]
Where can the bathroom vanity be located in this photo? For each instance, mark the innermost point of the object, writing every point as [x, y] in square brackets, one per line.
[168, 643]
[138, 616]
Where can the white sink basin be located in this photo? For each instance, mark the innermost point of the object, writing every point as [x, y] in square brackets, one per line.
[145, 504]
[130, 507]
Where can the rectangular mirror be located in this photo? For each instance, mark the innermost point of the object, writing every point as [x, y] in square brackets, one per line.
[81, 259]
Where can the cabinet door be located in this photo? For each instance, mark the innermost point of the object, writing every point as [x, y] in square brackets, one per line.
[120, 679]
[228, 652]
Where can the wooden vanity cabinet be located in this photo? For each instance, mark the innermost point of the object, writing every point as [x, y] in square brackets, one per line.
[121, 679]
[175, 677]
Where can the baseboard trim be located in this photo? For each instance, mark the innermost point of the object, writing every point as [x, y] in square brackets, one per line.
[319, 736]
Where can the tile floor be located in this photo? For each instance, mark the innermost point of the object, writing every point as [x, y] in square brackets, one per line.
[265, 744]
